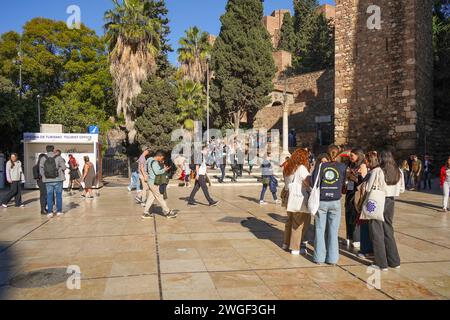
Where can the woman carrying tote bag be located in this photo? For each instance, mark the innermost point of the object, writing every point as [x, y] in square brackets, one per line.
[296, 177]
[388, 180]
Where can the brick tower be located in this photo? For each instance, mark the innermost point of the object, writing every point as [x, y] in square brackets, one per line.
[384, 74]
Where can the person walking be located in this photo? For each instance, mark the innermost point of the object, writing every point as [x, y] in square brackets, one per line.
[135, 183]
[268, 181]
[52, 169]
[356, 172]
[416, 171]
[428, 168]
[223, 162]
[143, 177]
[74, 173]
[328, 218]
[42, 189]
[153, 172]
[89, 178]
[389, 179]
[200, 182]
[15, 177]
[296, 171]
[405, 169]
[445, 184]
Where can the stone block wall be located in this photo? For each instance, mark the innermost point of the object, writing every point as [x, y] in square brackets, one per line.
[383, 77]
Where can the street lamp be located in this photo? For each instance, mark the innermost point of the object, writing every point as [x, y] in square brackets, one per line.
[208, 59]
[285, 120]
[39, 109]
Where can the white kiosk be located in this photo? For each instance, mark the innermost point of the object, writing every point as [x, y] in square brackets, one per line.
[79, 145]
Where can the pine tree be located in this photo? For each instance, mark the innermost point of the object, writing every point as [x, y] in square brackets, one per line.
[243, 63]
[287, 40]
[314, 38]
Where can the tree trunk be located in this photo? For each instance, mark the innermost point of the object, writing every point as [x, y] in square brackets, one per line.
[237, 121]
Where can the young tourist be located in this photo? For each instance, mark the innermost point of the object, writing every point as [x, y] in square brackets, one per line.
[74, 173]
[416, 171]
[89, 178]
[135, 182]
[297, 171]
[200, 181]
[389, 179]
[328, 218]
[154, 170]
[405, 169]
[356, 172]
[41, 185]
[445, 184]
[427, 171]
[268, 181]
[15, 177]
[143, 176]
[52, 170]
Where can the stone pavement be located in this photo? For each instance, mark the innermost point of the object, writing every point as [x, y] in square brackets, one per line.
[228, 252]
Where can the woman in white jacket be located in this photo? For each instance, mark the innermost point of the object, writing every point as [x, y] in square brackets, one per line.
[15, 177]
[390, 179]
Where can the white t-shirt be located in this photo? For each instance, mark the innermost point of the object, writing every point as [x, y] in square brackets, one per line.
[300, 175]
[202, 169]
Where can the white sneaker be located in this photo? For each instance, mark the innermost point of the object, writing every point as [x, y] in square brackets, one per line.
[49, 215]
[59, 214]
[262, 202]
[129, 189]
[278, 201]
[295, 252]
[373, 266]
[4, 205]
[356, 245]
[397, 267]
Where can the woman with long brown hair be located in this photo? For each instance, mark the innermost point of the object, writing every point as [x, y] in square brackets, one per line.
[296, 170]
[15, 177]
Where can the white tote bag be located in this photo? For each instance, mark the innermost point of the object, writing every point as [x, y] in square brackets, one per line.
[314, 197]
[296, 198]
[373, 207]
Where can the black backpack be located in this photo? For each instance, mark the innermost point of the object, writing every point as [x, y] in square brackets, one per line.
[36, 174]
[50, 168]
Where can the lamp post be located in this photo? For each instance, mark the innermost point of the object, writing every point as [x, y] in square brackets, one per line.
[19, 62]
[285, 121]
[208, 59]
[39, 109]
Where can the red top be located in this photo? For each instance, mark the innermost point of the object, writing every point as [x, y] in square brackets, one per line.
[443, 174]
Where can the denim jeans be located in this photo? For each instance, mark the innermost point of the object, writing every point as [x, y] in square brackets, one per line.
[263, 193]
[135, 182]
[54, 188]
[327, 219]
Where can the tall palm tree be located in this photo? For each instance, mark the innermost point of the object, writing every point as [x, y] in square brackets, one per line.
[133, 34]
[191, 101]
[194, 48]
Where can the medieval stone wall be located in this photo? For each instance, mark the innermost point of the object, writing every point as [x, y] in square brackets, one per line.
[383, 77]
[309, 96]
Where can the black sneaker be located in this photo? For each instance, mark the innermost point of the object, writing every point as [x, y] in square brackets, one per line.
[147, 216]
[192, 204]
[138, 199]
[171, 215]
[215, 203]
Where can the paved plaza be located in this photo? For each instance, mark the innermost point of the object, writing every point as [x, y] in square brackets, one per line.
[227, 252]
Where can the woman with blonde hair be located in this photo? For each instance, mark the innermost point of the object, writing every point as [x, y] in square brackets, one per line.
[296, 170]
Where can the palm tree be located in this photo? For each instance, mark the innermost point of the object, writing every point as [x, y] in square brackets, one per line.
[191, 101]
[194, 48]
[133, 33]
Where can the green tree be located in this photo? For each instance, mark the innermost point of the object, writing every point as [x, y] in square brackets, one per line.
[243, 63]
[314, 38]
[157, 106]
[133, 32]
[287, 40]
[441, 47]
[194, 48]
[191, 101]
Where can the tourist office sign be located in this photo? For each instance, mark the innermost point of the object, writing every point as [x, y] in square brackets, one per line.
[60, 138]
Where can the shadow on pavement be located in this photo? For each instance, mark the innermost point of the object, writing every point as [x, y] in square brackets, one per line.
[6, 263]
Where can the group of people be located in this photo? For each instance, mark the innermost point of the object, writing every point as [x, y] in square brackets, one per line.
[50, 174]
[335, 178]
[418, 173]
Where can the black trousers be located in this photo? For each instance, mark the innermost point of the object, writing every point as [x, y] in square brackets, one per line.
[42, 195]
[353, 230]
[200, 183]
[16, 192]
[382, 235]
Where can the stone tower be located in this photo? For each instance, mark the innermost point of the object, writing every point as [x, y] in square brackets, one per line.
[384, 74]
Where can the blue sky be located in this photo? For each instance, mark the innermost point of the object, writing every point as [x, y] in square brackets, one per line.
[182, 14]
